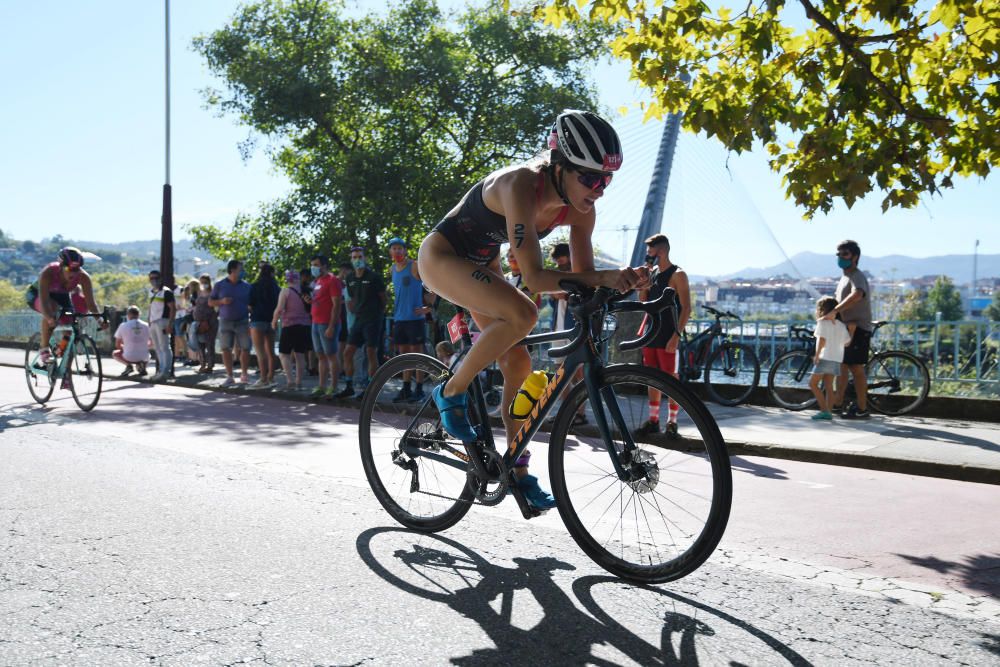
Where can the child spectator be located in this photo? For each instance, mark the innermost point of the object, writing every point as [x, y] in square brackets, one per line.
[446, 353]
[132, 343]
[832, 337]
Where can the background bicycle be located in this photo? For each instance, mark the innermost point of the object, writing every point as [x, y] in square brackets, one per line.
[898, 382]
[730, 369]
[75, 361]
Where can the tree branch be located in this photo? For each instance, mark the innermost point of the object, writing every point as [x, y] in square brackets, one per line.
[849, 44]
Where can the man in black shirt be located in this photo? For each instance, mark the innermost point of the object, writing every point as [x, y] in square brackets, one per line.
[661, 352]
[367, 303]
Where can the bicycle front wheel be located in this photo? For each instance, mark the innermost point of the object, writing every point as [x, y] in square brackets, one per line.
[732, 373]
[413, 466]
[788, 380]
[38, 375]
[84, 372]
[665, 524]
[898, 382]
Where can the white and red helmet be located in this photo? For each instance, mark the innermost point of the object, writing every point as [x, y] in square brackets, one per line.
[587, 140]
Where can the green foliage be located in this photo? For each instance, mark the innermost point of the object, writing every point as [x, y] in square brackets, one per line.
[992, 311]
[11, 297]
[915, 307]
[383, 122]
[944, 298]
[898, 96]
[120, 290]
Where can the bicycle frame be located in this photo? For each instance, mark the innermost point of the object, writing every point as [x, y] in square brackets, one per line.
[585, 356]
[64, 360]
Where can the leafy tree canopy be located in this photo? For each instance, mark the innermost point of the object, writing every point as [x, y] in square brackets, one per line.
[944, 298]
[383, 122]
[992, 311]
[898, 96]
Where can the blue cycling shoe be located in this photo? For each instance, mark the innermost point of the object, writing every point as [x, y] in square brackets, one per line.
[534, 494]
[453, 416]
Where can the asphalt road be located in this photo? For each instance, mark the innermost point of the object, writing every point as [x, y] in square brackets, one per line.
[173, 526]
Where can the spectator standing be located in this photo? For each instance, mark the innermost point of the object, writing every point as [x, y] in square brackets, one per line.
[296, 328]
[132, 343]
[561, 317]
[832, 337]
[305, 287]
[661, 353]
[206, 324]
[367, 291]
[408, 329]
[327, 292]
[854, 305]
[263, 300]
[189, 328]
[162, 310]
[346, 316]
[231, 296]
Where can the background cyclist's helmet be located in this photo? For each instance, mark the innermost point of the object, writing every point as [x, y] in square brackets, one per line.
[71, 257]
[395, 240]
[586, 140]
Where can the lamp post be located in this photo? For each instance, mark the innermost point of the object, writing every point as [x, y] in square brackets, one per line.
[972, 288]
[166, 218]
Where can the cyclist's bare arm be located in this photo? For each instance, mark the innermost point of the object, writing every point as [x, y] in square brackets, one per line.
[516, 193]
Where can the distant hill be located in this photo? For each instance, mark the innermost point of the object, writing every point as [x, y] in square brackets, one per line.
[818, 265]
[183, 249]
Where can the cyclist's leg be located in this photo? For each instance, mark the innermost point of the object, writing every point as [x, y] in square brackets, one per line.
[481, 288]
[515, 366]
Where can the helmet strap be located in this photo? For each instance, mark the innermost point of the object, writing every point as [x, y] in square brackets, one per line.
[558, 185]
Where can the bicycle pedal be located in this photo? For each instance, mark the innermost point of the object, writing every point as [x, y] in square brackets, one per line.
[527, 511]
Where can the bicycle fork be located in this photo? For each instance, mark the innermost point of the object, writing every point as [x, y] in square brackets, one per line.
[599, 397]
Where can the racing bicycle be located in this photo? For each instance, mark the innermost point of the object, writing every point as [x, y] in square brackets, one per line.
[898, 382]
[77, 363]
[644, 508]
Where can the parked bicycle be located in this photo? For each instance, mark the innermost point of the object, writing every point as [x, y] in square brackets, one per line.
[647, 510]
[75, 361]
[730, 369]
[898, 382]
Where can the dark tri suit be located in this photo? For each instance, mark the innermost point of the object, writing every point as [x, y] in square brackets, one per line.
[476, 233]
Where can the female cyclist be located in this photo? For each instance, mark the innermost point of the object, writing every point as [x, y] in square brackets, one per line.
[520, 205]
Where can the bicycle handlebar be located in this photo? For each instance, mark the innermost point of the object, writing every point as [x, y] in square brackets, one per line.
[604, 297]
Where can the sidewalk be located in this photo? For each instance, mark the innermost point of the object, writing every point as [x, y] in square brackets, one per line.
[951, 449]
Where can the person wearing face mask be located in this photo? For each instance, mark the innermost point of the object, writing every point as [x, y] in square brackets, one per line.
[661, 352]
[854, 305]
[205, 324]
[231, 296]
[408, 330]
[296, 329]
[327, 290]
[367, 303]
[162, 310]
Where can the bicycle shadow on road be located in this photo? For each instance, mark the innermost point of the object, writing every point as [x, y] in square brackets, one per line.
[553, 629]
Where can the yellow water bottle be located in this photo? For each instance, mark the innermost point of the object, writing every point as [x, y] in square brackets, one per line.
[528, 395]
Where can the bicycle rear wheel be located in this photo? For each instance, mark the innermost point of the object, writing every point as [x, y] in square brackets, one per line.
[84, 373]
[38, 375]
[405, 451]
[788, 380]
[898, 382]
[664, 525]
[732, 373]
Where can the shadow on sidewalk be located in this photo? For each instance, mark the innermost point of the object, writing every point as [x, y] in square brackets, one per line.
[554, 630]
[937, 435]
[980, 572]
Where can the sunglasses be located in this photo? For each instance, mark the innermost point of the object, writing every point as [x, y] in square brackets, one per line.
[594, 179]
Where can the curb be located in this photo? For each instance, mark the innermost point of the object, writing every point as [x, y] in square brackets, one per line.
[955, 471]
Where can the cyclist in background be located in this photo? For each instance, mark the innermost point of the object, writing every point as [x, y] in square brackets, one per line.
[661, 352]
[519, 205]
[52, 294]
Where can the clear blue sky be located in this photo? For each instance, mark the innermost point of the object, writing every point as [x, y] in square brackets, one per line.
[81, 129]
